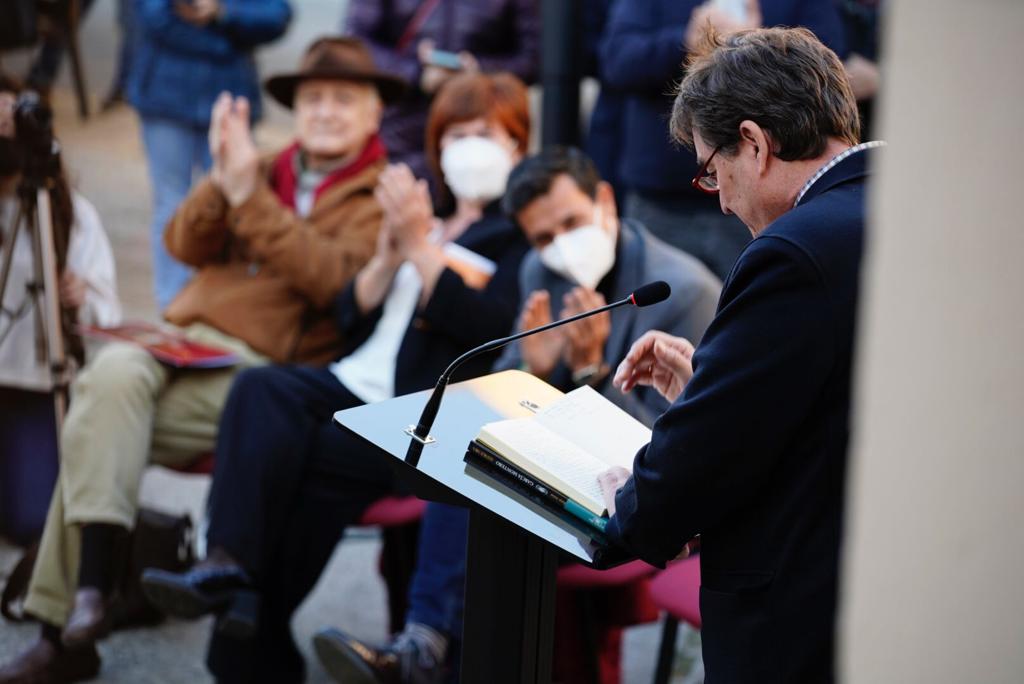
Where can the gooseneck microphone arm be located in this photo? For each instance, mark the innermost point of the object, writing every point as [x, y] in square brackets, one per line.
[652, 293]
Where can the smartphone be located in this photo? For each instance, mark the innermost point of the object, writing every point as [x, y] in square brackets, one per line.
[737, 8]
[445, 60]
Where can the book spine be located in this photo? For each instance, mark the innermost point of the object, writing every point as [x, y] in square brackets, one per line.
[490, 461]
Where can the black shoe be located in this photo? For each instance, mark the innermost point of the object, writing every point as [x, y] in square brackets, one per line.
[223, 590]
[350, 661]
[45, 663]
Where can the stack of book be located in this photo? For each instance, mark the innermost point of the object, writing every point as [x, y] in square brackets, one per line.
[555, 456]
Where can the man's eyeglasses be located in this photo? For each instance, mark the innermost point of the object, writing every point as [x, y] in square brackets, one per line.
[704, 181]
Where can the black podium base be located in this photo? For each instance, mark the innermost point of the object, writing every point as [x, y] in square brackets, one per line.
[509, 620]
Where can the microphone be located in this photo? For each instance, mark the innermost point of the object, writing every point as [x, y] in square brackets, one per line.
[646, 295]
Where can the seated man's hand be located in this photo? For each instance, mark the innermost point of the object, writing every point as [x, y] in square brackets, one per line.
[586, 338]
[611, 482]
[235, 158]
[540, 352]
[657, 360]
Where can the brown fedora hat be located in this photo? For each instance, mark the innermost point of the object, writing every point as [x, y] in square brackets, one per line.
[342, 58]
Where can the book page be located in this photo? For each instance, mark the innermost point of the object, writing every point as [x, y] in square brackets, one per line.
[596, 425]
[554, 460]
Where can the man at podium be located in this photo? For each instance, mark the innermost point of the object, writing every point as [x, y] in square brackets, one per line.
[583, 256]
[751, 455]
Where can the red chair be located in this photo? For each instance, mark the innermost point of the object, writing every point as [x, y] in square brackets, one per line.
[399, 520]
[592, 608]
[677, 592]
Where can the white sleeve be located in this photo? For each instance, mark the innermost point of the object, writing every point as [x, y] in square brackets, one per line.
[90, 258]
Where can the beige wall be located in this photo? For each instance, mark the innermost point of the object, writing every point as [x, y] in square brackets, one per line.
[934, 555]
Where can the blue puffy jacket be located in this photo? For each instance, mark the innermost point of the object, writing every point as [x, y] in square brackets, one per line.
[179, 68]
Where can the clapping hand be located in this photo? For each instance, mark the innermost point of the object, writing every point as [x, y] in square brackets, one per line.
[408, 210]
[235, 157]
[540, 352]
[586, 337]
[656, 360]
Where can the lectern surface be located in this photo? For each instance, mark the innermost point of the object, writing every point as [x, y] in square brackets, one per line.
[466, 406]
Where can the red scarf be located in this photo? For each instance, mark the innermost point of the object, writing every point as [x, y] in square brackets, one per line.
[283, 178]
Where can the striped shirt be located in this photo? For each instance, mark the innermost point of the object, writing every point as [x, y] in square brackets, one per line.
[832, 162]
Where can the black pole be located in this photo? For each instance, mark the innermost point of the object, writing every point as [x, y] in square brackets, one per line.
[561, 70]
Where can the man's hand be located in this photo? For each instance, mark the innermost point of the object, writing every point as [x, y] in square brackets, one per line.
[197, 12]
[540, 352]
[611, 482]
[235, 158]
[586, 338]
[709, 14]
[72, 290]
[656, 360]
[407, 208]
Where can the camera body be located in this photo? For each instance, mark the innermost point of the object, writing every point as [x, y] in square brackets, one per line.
[37, 149]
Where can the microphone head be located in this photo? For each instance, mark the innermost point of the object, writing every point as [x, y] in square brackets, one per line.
[651, 293]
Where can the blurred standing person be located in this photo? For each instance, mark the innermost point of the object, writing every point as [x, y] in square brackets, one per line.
[642, 54]
[43, 71]
[427, 42]
[861, 19]
[187, 53]
[604, 131]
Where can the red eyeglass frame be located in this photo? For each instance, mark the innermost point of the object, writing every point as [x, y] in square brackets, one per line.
[703, 172]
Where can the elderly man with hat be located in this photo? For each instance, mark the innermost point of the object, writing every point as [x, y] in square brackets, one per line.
[273, 242]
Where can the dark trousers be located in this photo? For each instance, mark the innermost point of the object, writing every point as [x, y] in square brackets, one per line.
[438, 587]
[286, 485]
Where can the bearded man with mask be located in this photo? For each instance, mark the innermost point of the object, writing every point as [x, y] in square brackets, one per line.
[583, 257]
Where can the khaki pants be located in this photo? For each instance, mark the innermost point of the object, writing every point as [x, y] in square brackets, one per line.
[127, 410]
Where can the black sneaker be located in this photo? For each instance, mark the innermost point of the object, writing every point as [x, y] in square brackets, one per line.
[350, 661]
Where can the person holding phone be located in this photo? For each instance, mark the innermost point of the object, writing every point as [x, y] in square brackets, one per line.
[428, 42]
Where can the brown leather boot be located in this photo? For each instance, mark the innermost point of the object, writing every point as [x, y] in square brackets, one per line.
[88, 621]
[44, 663]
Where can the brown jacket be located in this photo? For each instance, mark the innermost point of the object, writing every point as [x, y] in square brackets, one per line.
[267, 276]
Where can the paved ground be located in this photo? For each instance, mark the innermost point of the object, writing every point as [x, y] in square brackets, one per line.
[105, 159]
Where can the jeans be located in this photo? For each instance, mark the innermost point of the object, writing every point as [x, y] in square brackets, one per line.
[176, 154]
[697, 227]
[436, 594]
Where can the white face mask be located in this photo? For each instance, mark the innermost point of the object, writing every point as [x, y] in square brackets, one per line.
[583, 255]
[476, 168]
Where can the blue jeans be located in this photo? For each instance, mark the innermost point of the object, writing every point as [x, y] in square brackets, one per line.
[176, 154]
[437, 591]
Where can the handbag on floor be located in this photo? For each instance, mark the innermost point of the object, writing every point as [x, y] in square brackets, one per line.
[159, 540]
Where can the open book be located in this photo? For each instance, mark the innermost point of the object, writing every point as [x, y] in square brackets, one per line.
[567, 444]
[165, 344]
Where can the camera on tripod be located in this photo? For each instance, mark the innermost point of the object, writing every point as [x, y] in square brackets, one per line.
[37, 149]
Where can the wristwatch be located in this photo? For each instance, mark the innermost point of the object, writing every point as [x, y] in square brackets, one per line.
[590, 375]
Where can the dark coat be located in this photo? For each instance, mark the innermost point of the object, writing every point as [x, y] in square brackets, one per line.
[641, 57]
[457, 317]
[752, 456]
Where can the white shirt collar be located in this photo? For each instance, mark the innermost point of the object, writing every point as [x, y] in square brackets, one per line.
[832, 162]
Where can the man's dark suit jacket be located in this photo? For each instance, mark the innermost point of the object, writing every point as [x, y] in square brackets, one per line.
[752, 456]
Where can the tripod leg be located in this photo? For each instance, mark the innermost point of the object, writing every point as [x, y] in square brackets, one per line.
[48, 304]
